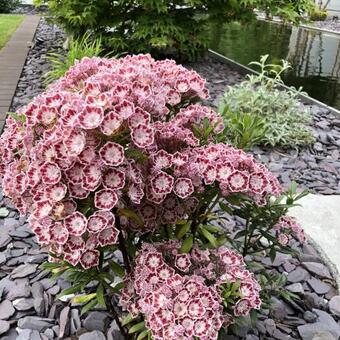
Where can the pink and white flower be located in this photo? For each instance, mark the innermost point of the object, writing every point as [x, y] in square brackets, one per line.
[258, 182]
[143, 135]
[105, 199]
[114, 179]
[223, 171]
[111, 123]
[76, 223]
[182, 262]
[96, 223]
[136, 192]
[125, 109]
[108, 236]
[59, 233]
[238, 181]
[162, 160]
[183, 187]
[162, 183]
[91, 117]
[112, 154]
[73, 257]
[139, 117]
[90, 258]
[47, 115]
[56, 192]
[50, 173]
[42, 209]
[75, 142]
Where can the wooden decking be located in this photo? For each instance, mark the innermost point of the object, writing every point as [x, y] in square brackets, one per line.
[12, 61]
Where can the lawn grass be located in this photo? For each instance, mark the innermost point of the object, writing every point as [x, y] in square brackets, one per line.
[8, 24]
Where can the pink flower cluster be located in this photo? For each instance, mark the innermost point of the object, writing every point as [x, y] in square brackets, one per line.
[180, 294]
[286, 227]
[118, 133]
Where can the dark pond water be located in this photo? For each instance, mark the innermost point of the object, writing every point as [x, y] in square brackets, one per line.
[315, 56]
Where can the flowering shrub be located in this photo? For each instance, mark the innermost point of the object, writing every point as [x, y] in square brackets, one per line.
[118, 155]
[181, 294]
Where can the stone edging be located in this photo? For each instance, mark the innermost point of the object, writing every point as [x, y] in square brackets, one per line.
[314, 28]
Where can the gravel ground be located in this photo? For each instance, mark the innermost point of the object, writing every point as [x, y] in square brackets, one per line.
[29, 310]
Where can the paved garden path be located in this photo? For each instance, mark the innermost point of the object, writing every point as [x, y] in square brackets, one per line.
[320, 217]
[12, 60]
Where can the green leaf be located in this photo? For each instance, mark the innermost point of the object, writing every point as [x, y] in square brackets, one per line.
[221, 240]
[210, 237]
[212, 228]
[293, 187]
[116, 268]
[127, 319]
[4, 212]
[272, 254]
[118, 287]
[74, 289]
[144, 334]
[88, 306]
[183, 230]
[225, 208]
[15, 116]
[50, 265]
[187, 244]
[84, 298]
[253, 317]
[136, 328]
[100, 296]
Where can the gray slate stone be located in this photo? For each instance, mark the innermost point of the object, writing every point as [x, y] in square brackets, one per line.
[296, 288]
[23, 304]
[6, 310]
[270, 326]
[4, 240]
[38, 298]
[318, 269]
[25, 334]
[36, 323]
[4, 326]
[49, 333]
[96, 321]
[313, 300]
[64, 322]
[93, 335]
[319, 286]
[24, 270]
[114, 333]
[298, 275]
[3, 257]
[20, 288]
[324, 323]
[75, 323]
[324, 335]
[334, 305]
[310, 316]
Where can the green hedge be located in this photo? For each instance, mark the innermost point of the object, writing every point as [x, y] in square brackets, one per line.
[175, 28]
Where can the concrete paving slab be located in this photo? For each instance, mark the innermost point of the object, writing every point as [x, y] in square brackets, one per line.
[320, 217]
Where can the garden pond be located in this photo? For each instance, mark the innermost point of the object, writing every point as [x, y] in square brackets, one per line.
[314, 55]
